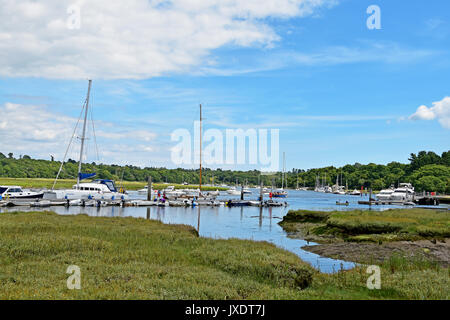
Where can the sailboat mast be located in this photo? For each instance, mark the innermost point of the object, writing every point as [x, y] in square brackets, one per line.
[282, 175]
[200, 181]
[83, 136]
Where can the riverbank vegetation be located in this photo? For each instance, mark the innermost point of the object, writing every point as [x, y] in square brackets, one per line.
[130, 258]
[370, 226]
[375, 237]
[427, 171]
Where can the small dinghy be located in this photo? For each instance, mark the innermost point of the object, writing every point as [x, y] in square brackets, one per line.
[238, 203]
[180, 203]
[346, 203]
[212, 203]
[77, 202]
[271, 203]
[140, 203]
[41, 204]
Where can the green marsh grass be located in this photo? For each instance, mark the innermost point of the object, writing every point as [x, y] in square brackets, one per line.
[131, 258]
[388, 225]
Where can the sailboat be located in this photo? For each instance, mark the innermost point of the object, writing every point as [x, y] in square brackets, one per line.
[337, 188]
[99, 189]
[281, 193]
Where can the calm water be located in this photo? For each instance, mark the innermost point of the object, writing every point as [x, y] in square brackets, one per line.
[239, 222]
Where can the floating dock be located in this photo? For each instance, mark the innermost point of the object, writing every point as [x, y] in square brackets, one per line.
[139, 203]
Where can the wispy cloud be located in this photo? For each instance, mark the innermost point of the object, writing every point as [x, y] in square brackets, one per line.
[362, 52]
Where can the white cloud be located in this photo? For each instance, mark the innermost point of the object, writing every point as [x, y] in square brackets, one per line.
[440, 110]
[134, 38]
[38, 132]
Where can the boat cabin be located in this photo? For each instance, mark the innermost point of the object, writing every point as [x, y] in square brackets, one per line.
[99, 185]
[6, 190]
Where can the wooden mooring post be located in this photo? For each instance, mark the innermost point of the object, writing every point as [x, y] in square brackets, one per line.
[261, 194]
[149, 189]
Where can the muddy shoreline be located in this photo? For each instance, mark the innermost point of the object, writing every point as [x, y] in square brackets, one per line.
[372, 253]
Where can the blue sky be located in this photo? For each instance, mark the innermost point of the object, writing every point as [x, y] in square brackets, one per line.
[339, 92]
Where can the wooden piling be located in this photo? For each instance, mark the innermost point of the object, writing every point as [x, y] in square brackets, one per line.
[261, 193]
[149, 189]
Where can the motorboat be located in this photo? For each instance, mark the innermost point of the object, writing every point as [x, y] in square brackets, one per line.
[171, 193]
[143, 191]
[237, 203]
[385, 194]
[233, 191]
[17, 193]
[405, 192]
[355, 192]
[271, 203]
[280, 193]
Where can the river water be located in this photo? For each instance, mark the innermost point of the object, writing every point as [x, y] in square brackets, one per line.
[253, 223]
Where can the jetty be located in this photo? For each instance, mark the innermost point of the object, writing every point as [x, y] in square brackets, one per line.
[420, 200]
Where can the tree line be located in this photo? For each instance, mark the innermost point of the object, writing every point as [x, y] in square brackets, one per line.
[427, 171]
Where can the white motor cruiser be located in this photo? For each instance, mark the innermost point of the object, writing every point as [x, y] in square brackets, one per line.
[385, 194]
[405, 192]
[17, 193]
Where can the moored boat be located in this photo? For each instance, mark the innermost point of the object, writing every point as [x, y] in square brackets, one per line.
[17, 193]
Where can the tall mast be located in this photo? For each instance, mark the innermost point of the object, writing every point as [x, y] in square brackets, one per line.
[282, 175]
[83, 137]
[200, 184]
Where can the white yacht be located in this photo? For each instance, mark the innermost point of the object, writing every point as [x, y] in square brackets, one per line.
[171, 192]
[233, 191]
[17, 193]
[144, 190]
[405, 192]
[385, 194]
[355, 192]
[339, 190]
[319, 189]
[101, 189]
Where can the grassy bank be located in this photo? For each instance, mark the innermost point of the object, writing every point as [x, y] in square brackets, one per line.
[375, 226]
[129, 258]
[40, 183]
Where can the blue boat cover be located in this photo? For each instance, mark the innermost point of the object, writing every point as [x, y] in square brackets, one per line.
[83, 176]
